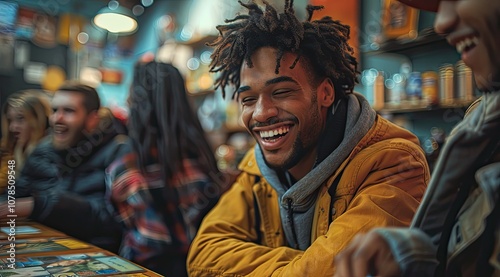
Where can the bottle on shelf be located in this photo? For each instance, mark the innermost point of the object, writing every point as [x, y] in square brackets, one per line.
[430, 93]
[446, 84]
[395, 89]
[414, 88]
[465, 86]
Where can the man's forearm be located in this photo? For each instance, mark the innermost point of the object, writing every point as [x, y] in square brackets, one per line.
[20, 207]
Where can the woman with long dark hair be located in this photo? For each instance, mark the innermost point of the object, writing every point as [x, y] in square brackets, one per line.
[162, 192]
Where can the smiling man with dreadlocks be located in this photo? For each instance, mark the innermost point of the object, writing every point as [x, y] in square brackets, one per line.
[325, 166]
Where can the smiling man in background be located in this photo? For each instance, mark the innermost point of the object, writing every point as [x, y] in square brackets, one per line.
[325, 166]
[62, 184]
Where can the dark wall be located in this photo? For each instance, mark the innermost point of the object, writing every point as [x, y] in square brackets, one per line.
[13, 80]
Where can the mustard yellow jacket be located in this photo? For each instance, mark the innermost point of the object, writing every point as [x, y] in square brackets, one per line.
[382, 182]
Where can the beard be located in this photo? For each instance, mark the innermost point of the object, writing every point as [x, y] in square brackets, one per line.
[68, 143]
[305, 141]
[298, 151]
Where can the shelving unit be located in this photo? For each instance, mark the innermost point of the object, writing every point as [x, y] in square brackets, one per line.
[427, 52]
[407, 107]
[427, 39]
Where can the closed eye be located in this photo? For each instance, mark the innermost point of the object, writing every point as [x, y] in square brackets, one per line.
[245, 101]
[282, 92]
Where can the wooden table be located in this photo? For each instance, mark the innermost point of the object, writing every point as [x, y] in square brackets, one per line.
[32, 249]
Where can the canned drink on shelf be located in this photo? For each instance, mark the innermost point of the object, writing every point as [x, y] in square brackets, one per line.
[396, 89]
[465, 86]
[414, 87]
[430, 93]
[446, 95]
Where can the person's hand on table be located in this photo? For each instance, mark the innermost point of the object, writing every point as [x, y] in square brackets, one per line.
[21, 208]
[366, 255]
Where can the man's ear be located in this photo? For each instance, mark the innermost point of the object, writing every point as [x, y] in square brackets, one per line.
[92, 120]
[326, 93]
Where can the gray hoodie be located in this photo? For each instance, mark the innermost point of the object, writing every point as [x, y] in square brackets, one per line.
[297, 202]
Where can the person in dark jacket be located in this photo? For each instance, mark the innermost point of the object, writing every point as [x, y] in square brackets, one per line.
[456, 230]
[62, 184]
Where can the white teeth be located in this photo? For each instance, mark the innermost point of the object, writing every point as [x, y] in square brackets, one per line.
[275, 132]
[468, 42]
[59, 129]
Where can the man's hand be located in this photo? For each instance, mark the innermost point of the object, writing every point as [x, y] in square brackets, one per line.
[22, 208]
[367, 255]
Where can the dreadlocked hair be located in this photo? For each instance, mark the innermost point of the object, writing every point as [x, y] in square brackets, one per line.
[323, 43]
[162, 119]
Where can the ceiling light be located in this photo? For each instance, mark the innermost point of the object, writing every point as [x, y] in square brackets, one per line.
[119, 20]
[147, 3]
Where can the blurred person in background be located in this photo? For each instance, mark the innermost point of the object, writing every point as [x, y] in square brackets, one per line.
[325, 166]
[456, 230]
[162, 191]
[62, 184]
[24, 123]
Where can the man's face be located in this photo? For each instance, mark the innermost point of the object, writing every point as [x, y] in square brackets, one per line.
[283, 112]
[473, 27]
[68, 120]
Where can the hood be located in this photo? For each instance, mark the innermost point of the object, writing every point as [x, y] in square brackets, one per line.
[296, 202]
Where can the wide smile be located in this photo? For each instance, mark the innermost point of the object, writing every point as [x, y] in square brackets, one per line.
[273, 137]
[467, 44]
[60, 131]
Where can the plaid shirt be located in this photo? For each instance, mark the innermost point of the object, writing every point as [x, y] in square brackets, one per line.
[160, 218]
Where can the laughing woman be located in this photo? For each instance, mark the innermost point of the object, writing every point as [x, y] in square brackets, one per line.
[24, 124]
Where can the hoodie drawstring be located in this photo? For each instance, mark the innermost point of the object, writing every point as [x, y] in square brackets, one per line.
[290, 219]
